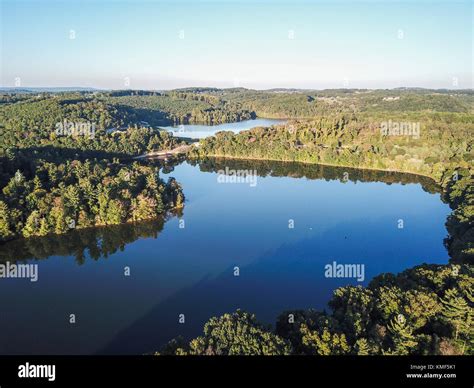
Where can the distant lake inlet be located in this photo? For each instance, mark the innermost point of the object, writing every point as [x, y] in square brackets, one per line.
[198, 131]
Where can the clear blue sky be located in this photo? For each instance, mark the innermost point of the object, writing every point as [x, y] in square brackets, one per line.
[162, 45]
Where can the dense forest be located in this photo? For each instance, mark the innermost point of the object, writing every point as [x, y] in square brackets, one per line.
[58, 197]
[182, 108]
[115, 109]
[55, 181]
[444, 141]
[34, 123]
[216, 106]
[307, 104]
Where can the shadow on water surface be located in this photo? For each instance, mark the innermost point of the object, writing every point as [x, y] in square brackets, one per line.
[288, 278]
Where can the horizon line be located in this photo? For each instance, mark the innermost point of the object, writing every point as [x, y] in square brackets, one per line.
[84, 88]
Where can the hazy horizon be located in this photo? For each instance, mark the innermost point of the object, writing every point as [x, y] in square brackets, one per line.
[159, 45]
[93, 88]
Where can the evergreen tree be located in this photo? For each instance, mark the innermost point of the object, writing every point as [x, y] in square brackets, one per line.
[151, 182]
[402, 336]
[44, 227]
[115, 212]
[143, 208]
[5, 232]
[57, 218]
[362, 347]
[37, 183]
[179, 200]
[103, 200]
[72, 198]
[323, 341]
[460, 315]
[237, 334]
[32, 224]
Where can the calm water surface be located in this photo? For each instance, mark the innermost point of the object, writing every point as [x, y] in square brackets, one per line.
[190, 270]
[195, 131]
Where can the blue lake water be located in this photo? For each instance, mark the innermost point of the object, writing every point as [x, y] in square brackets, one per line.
[186, 265]
[196, 131]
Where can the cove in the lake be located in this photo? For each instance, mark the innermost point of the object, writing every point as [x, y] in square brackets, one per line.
[280, 233]
[198, 131]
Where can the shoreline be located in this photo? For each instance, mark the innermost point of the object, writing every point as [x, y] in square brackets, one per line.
[320, 164]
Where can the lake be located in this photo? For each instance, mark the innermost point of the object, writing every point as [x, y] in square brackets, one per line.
[277, 231]
[197, 131]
